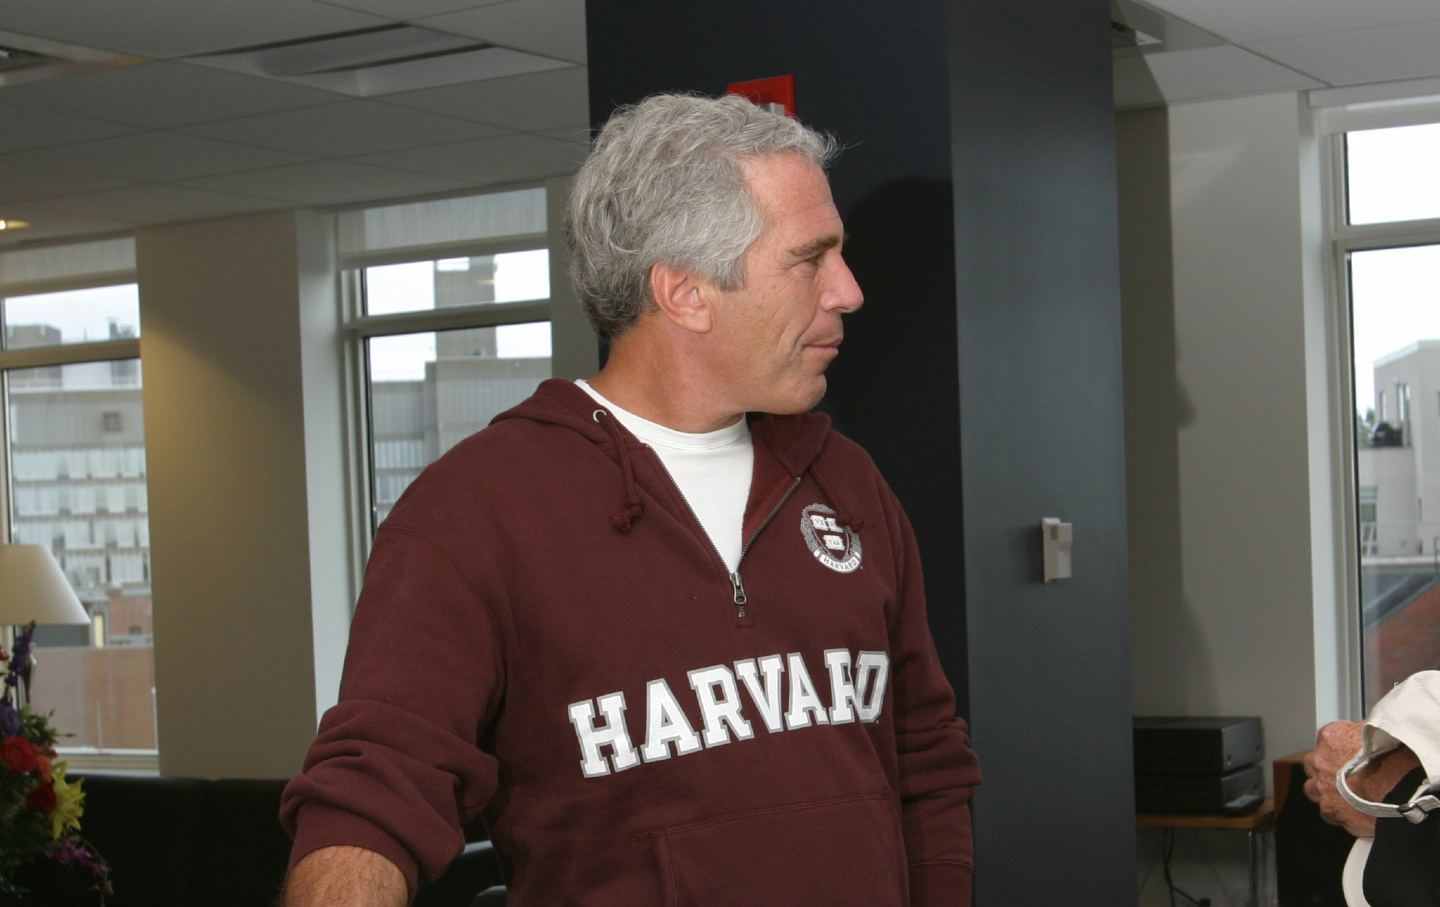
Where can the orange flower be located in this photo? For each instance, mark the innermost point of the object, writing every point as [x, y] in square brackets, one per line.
[43, 769]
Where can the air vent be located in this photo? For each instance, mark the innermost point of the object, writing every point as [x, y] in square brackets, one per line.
[353, 50]
[376, 61]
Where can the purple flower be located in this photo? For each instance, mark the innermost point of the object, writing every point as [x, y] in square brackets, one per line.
[20, 658]
[9, 720]
[72, 851]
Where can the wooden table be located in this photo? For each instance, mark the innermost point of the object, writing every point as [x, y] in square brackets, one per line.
[1255, 825]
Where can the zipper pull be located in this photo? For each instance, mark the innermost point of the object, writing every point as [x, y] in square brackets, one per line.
[738, 586]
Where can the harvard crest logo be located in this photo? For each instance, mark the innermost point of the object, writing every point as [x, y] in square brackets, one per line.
[835, 546]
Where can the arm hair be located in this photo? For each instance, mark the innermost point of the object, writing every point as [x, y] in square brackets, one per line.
[344, 876]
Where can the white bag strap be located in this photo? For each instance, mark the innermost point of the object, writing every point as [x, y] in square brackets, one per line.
[1420, 804]
[1410, 715]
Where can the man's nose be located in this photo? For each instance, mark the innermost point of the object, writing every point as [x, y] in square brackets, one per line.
[844, 294]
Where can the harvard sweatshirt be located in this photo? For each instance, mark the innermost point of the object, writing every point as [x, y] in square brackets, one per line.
[547, 637]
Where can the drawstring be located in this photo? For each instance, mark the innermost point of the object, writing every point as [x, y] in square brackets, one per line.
[843, 516]
[625, 517]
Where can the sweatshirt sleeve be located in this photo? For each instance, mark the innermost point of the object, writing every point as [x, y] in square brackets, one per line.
[396, 766]
[938, 770]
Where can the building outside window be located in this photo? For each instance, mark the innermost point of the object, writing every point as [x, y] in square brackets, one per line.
[449, 311]
[1387, 244]
[74, 454]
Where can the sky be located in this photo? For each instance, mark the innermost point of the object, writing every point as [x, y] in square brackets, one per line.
[1395, 293]
[411, 287]
[81, 315]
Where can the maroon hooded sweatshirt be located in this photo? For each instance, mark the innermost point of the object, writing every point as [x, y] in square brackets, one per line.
[546, 635]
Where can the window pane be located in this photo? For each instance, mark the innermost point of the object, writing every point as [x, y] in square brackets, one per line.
[72, 316]
[424, 285]
[430, 390]
[1391, 174]
[1397, 409]
[77, 458]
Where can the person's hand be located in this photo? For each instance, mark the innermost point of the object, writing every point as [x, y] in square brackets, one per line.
[1335, 745]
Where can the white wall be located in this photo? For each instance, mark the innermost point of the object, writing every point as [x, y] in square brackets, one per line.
[1230, 442]
[1231, 511]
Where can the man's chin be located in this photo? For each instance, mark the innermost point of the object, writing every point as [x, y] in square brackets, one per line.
[801, 401]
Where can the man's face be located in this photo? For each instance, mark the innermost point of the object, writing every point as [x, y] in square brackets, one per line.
[780, 331]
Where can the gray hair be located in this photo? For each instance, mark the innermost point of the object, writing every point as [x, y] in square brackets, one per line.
[664, 183]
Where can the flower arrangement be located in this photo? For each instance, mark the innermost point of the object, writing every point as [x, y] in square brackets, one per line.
[39, 808]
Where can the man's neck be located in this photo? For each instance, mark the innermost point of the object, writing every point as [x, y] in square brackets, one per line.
[661, 389]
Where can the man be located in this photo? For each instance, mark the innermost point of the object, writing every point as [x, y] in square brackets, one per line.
[665, 629]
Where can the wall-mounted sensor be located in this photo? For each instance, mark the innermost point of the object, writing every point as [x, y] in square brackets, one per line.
[1055, 542]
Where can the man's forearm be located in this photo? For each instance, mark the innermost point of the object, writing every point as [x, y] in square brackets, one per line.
[345, 877]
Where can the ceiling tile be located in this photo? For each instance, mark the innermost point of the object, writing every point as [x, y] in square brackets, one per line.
[507, 159]
[555, 28]
[154, 204]
[578, 134]
[347, 129]
[21, 128]
[174, 28]
[162, 95]
[528, 103]
[1364, 55]
[1247, 21]
[22, 179]
[1199, 74]
[155, 157]
[328, 183]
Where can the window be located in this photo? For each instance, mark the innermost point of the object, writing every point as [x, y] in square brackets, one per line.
[1387, 248]
[74, 454]
[449, 309]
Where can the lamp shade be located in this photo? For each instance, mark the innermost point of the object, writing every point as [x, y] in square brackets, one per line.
[32, 588]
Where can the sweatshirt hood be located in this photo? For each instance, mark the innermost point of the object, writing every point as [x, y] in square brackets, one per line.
[795, 441]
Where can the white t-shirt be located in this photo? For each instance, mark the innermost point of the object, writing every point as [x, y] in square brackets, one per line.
[712, 470]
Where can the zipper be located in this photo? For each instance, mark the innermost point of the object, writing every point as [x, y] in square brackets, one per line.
[737, 585]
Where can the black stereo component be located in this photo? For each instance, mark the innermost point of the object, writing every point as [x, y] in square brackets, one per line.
[1196, 746]
[1233, 793]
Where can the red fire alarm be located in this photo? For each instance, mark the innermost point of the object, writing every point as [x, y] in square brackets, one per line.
[776, 93]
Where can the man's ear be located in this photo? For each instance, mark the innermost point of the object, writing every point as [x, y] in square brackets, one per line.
[681, 297]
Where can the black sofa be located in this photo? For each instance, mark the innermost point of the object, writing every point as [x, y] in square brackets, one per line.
[185, 842]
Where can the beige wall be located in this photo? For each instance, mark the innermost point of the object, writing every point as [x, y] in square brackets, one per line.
[237, 321]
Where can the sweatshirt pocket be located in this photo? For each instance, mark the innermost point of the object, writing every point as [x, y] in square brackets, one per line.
[842, 851]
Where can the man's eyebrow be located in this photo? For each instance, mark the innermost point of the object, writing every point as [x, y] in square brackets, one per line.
[814, 247]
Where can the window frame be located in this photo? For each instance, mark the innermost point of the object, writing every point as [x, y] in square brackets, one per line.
[1356, 111]
[359, 328]
[79, 759]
